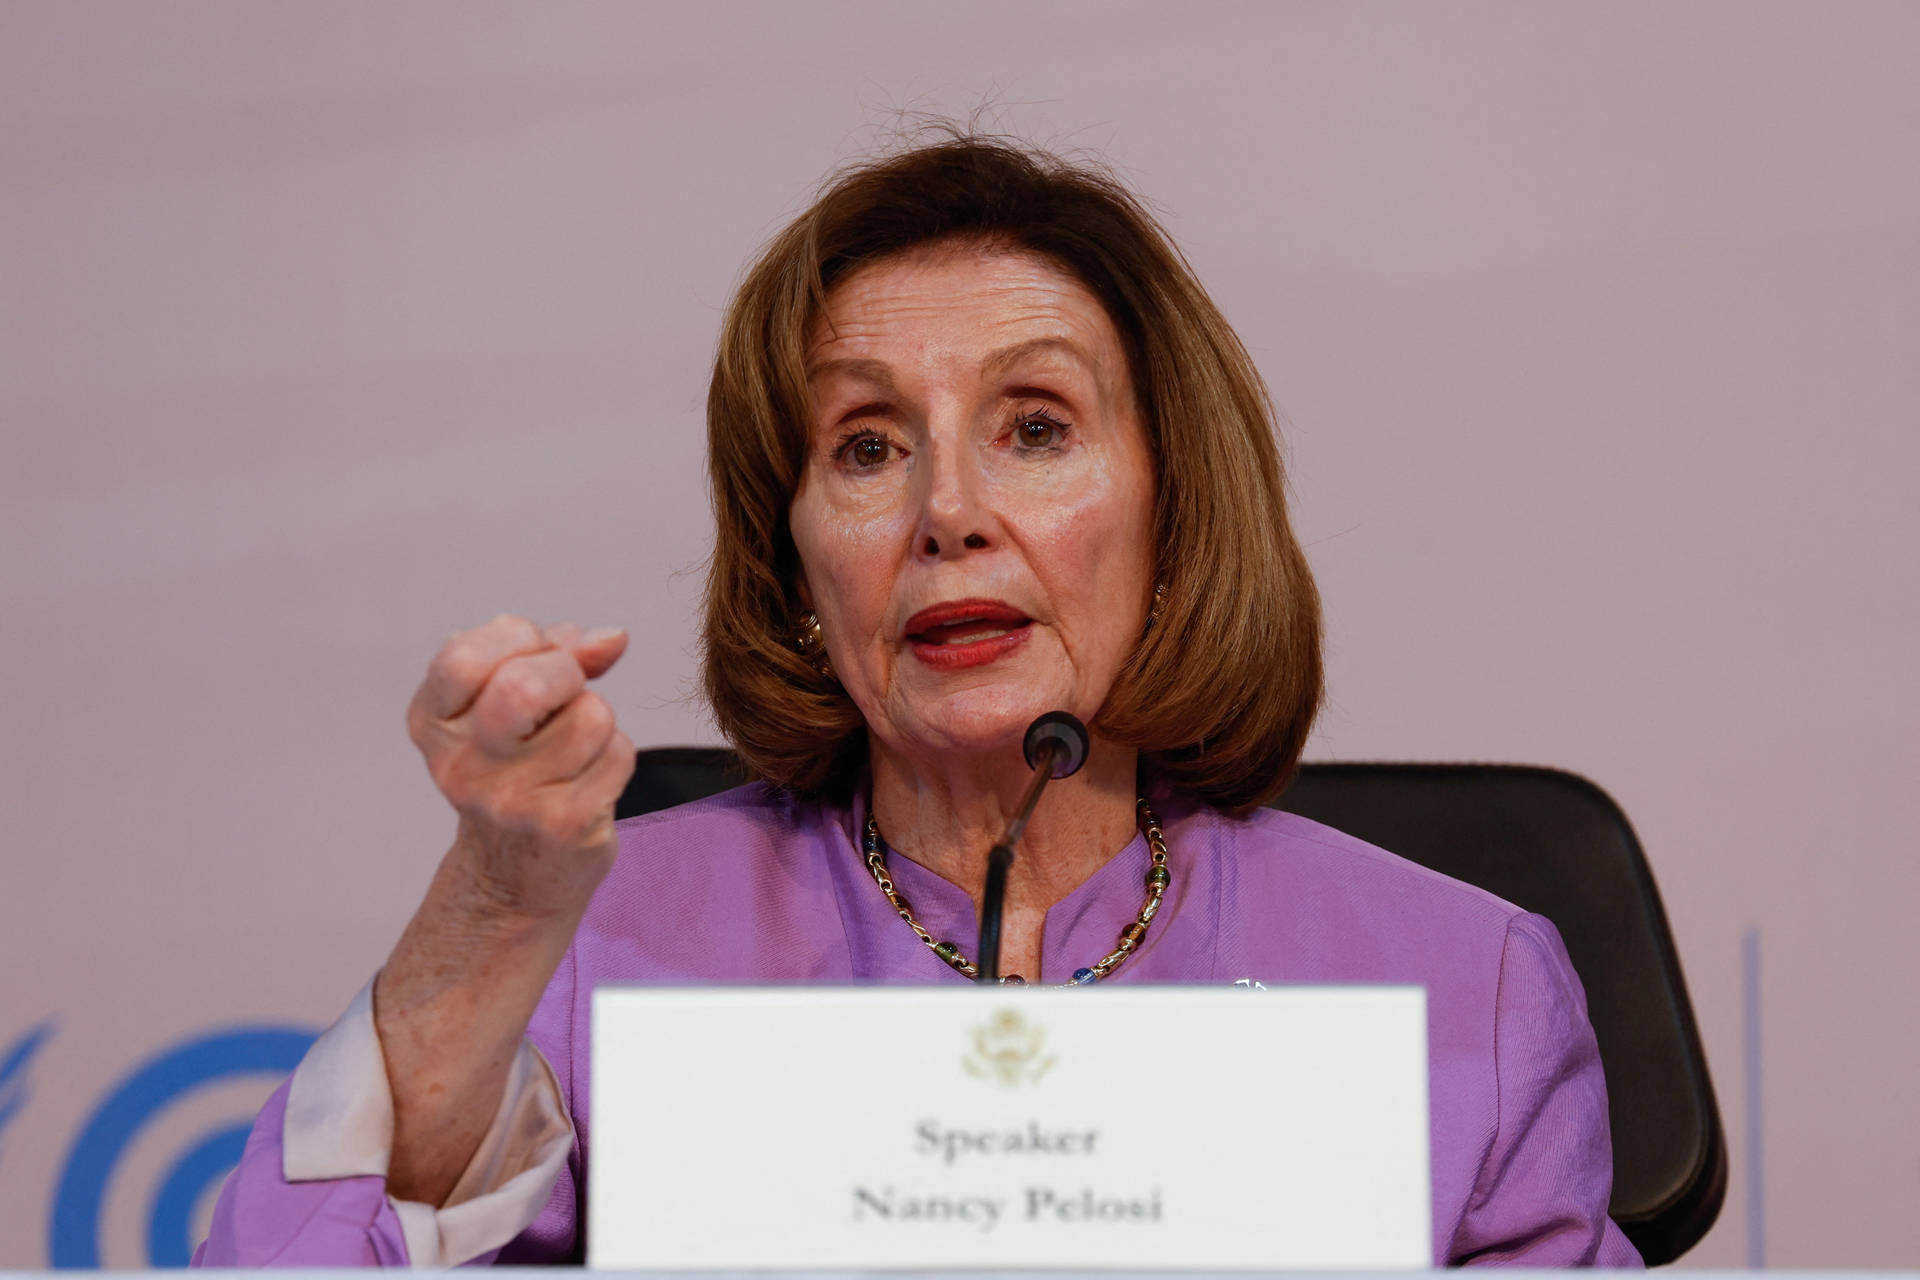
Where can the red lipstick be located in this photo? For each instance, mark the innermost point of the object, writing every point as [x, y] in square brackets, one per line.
[966, 633]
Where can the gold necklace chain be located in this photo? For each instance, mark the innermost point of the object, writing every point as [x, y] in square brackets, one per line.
[1158, 878]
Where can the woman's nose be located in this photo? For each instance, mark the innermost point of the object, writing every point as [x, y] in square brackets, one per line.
[955, 517]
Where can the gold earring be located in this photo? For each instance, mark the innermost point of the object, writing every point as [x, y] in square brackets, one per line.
[812, 643]
[1159, 599]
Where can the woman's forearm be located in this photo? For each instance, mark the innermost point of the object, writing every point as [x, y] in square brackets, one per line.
[450, 1007]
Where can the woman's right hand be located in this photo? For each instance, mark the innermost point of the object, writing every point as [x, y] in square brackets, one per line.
[530, 759]
[532, 762]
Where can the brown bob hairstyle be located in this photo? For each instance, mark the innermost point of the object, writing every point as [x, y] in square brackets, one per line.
[1222, 689]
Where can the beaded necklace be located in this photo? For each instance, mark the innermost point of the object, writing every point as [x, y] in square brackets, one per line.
[1158, 878]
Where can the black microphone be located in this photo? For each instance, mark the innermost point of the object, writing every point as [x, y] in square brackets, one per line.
[1056, 746]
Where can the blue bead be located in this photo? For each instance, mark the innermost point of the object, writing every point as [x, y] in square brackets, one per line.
[1083, 976]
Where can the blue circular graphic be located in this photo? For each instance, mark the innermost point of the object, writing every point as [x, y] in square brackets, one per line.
[79, 1202]
[169, 1224]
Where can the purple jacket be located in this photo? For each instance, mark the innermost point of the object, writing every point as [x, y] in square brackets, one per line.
[755, 886]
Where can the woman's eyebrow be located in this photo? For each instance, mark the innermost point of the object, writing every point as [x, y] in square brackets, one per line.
[1007, 357]
[875, 373]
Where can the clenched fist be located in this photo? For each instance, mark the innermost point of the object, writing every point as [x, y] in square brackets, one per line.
[529, 757]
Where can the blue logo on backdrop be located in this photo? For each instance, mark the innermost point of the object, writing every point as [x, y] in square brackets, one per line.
[13, 1071]
[79, 1202]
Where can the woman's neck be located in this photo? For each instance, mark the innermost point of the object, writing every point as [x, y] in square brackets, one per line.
[946, 816]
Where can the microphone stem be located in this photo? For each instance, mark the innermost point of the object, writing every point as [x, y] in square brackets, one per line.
[1042, 775]
[1000, 859]
[991, 905]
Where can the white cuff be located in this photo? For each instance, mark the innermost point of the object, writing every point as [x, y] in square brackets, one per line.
[339, 1124]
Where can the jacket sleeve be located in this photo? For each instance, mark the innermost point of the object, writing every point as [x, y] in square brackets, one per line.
[310, 1188]
[1541, 1197]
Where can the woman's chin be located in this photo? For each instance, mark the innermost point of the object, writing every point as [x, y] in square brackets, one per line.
[974, 722]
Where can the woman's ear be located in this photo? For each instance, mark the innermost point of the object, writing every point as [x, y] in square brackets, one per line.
[802, 592]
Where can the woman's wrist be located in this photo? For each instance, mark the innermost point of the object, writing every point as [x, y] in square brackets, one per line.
[469, 935]
[508, 885]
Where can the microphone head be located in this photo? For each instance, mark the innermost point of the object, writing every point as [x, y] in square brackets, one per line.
[1069, 737]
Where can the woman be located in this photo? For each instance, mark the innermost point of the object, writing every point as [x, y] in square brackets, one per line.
[981, 448]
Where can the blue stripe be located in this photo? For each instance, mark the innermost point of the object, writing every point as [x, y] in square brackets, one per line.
[23, 1049]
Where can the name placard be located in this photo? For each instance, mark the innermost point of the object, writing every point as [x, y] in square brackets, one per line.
[1149, 1127]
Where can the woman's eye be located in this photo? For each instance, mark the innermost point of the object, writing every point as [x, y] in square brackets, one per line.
[866, 452]
[1038, 431]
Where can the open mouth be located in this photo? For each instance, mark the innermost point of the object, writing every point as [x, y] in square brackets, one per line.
[965, 622]
[964, 632]
[969, 631]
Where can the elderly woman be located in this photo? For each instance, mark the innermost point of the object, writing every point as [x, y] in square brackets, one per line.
[981, 448]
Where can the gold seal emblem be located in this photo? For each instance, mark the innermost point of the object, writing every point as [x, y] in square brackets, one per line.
[1008, 1049]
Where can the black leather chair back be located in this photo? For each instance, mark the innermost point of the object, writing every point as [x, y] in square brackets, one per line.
[1547, 841]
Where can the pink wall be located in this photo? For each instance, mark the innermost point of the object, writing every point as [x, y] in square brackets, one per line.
[328, 329]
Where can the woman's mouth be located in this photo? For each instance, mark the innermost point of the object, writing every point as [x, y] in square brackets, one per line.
[966, 633]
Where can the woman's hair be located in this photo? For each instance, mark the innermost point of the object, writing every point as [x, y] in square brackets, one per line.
[1222, 689]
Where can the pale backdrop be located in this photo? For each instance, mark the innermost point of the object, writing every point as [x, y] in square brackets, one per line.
[326, 329]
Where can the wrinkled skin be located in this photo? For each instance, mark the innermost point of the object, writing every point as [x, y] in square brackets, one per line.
[976, 436]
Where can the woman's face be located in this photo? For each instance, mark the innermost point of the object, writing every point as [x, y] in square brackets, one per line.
[975, 516]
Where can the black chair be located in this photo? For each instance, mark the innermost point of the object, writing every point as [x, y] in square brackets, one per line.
[1547, 841]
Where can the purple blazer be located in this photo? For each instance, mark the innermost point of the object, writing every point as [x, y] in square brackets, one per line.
[756, 886]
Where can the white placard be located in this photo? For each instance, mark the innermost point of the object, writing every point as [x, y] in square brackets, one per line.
[1121, 1127]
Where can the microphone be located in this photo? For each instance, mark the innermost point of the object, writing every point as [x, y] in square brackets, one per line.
[1056, 746]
